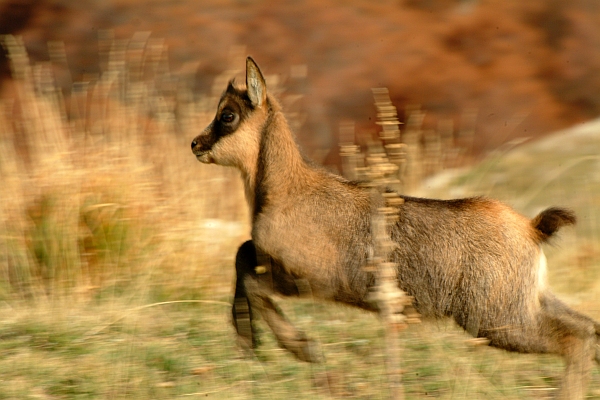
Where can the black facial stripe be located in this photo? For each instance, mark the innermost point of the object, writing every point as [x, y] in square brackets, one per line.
[221, 127]
[240, 96]
[207, 140]
[233, 101]
[230, 114]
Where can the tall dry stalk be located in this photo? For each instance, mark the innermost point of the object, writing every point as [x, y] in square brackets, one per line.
[384, 165]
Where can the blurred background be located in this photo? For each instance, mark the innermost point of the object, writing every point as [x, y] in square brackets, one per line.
[117, 246]
[525, 68]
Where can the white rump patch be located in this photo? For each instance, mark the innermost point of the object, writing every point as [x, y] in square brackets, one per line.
[542, 280]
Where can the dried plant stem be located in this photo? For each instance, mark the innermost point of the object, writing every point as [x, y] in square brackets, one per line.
[390, 299]
[384, 168]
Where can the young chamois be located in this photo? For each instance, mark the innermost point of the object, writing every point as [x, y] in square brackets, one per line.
[475, 260]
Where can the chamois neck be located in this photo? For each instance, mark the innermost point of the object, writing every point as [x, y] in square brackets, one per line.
[280, 167]
[279, 154]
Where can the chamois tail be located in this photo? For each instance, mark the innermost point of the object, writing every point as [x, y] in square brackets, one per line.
[551, 220]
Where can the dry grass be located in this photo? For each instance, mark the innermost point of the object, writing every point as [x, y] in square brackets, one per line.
[106, 194]
[116, 253]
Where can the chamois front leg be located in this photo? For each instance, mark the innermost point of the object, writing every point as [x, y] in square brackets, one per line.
[245, 263]
[597, 357]
[254, 287]
[287, 335]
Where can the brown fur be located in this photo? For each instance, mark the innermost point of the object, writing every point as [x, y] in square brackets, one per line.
[475, 260]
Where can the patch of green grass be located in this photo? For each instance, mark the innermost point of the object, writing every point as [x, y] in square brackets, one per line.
[119, 350]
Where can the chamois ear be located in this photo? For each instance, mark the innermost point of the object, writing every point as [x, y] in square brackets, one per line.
[255, 83]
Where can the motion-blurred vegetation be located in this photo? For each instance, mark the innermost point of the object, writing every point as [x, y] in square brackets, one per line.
[527, 67]
[116, 254]
[98, 188]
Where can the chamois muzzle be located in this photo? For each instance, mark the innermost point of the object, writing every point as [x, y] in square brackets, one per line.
[197, 148]
[201, 147]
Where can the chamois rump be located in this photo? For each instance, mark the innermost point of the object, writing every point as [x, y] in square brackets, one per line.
[474, 259]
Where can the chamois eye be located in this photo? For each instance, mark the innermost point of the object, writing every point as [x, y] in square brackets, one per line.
[227, 117]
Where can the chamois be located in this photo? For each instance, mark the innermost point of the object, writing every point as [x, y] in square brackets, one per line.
[474, 259]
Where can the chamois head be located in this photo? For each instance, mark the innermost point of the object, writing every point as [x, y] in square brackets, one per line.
[233, 137]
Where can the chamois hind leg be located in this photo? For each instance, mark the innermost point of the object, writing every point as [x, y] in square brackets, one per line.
[596, 327]
[559, 330]
[253, 293]
[575, 337]
[581, 319]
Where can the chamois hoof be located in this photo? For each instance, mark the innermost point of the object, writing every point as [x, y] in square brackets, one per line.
[305, 350]
[245, 346]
